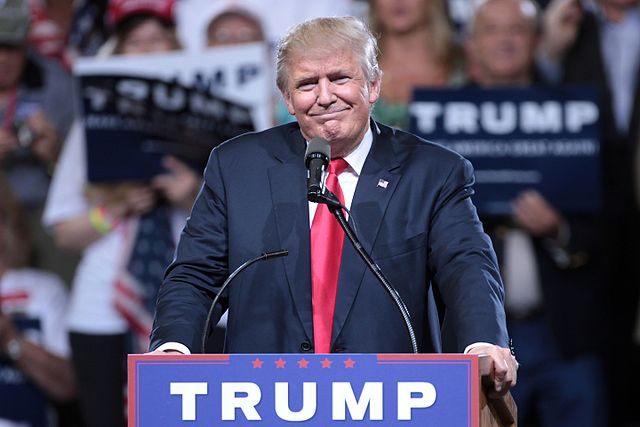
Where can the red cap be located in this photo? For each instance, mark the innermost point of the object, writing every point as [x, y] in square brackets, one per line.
[121, 9]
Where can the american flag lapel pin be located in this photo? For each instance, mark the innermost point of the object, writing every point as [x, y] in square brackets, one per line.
[383, 183]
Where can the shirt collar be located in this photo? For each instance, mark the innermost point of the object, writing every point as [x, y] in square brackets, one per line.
[358, 156]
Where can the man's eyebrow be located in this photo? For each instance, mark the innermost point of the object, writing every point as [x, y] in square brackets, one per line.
[305, 79]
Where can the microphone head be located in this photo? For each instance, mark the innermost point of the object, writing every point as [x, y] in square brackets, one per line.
[317, 148]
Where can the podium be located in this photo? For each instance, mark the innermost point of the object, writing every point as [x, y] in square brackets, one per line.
[315, 390]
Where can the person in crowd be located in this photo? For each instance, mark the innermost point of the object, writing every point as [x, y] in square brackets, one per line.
[508, 34]
[596, 43]
[551, 262]
[421, 226]
[416, 50]
[107, 222]
[34, 121]
[276, 16]
[35, 370]
[234, 26]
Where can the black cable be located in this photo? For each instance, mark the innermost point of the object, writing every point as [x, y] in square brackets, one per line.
[263, 256]
[335, 207]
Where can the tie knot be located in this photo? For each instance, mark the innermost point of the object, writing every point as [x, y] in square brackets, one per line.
[336, 166]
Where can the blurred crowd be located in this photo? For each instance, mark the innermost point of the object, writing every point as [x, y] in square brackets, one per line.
[69, 247]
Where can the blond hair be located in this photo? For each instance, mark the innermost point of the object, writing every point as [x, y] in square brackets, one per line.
[328, 35]
[439, 25]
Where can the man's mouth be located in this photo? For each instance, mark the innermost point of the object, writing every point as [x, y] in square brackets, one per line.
[328, 115]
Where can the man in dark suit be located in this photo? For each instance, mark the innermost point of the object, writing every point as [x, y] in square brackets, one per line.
[410, 200]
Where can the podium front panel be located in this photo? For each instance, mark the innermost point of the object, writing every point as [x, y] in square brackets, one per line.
[311, 389]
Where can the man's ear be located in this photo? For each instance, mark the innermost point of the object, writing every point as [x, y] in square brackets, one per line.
[374, 90]
[287, 100]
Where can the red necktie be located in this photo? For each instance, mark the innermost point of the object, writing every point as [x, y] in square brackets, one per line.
[327, 239]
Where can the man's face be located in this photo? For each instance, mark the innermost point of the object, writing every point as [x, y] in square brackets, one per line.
[331, 98]
[402, 16]
[233, 30]
[148, 37]
[503, 41]
[12, 59]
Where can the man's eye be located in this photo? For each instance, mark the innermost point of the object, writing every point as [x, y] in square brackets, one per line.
[306, 86]
[341, 79]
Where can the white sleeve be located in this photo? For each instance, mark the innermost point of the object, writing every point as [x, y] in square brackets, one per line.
[47, 304]
[174, 346]
[55, 336]
[66, 192]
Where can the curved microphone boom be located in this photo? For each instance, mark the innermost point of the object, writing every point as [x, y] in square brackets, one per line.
[263, 256]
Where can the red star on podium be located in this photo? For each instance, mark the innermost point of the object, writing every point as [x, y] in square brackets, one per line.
[326, 363]
[280, 363]
[349, 363]
[303, 363]
[257, 363]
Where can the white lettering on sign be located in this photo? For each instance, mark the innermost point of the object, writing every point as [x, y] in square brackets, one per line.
[542, 118]
[231, 400]
[406, 401]
[499, 119]
[245, 396]
[502, 118]
[579, 114]
[188, 391]
[461, 117]
[344, 398]
[309, 402]
[426, 113]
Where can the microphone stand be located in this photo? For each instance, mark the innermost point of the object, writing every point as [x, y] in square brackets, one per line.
[263, 256]
[335, 207]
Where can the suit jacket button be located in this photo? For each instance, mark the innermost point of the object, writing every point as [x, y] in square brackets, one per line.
[305, 346]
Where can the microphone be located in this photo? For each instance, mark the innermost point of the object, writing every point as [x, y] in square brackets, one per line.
[263, 256]
[316, 159]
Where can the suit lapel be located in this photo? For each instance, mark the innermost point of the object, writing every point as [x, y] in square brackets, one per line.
[291, 210]
[376, 185]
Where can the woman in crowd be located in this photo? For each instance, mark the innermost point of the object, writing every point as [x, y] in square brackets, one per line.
[106, 222]
[416, 50]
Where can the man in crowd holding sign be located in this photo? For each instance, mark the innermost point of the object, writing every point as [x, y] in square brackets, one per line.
[550, 261]
[409, 198]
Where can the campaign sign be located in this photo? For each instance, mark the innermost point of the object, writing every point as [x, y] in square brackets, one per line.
[314, 389]
[540, 138]
[136, 110]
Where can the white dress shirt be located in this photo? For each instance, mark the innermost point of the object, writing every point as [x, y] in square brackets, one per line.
[348, 178]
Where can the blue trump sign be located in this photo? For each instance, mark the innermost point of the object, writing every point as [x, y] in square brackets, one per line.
[317, 390]
[540, 138]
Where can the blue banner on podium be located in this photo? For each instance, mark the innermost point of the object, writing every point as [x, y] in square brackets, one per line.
[316, 390]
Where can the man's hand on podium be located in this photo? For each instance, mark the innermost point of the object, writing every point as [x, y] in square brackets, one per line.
[171, 348]
[164, 352]
[505, 366]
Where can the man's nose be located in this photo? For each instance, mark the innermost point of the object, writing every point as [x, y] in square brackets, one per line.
[325, 93]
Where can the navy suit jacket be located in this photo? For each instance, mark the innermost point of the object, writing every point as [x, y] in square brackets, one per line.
[421, 229]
